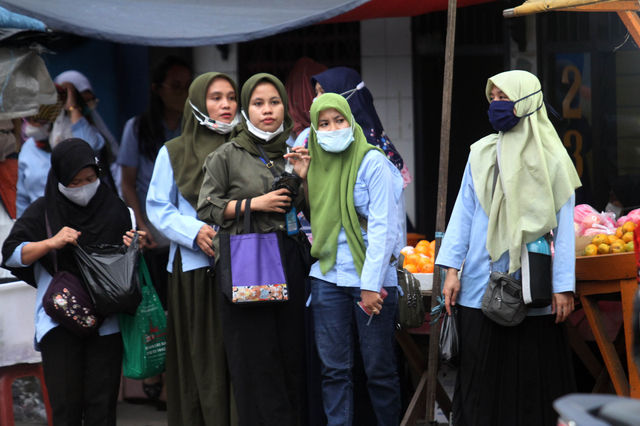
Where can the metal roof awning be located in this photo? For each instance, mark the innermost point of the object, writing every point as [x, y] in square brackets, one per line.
[626, 10]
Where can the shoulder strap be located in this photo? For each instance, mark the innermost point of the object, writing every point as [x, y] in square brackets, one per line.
[265, 159]
[54, 253]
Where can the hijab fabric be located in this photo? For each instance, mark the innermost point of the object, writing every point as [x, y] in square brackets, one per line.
[103, 221]
[342, 79]
[276, 147]
[301, 92]
[537, 176]
[331, 179]
[188, 151]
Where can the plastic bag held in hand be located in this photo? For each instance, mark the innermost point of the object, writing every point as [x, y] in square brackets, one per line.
[449, 339]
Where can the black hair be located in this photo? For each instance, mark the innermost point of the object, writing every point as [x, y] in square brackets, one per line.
[148, 126]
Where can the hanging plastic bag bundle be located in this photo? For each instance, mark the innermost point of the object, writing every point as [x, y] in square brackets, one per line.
[144, 335]
[109, 272]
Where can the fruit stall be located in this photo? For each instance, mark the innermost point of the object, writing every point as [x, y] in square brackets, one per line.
[605, 267]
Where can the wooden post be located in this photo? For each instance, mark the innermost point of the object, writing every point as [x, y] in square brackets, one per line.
[632, 22]
[443, 174]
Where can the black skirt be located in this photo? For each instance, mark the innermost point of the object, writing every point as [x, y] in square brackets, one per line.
[510, 375]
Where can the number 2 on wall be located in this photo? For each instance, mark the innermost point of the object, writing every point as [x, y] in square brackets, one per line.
[567, 111]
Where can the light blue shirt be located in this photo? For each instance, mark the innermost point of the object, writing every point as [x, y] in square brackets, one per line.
[43, 322]
[173, 216]
[34, 164]
[465, 242]
[129, 155]
[376, 196]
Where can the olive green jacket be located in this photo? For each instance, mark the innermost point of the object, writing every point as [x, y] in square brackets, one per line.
[231, 173]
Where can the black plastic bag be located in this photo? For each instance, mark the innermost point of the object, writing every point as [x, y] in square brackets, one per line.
[110, 273]
[449, 339]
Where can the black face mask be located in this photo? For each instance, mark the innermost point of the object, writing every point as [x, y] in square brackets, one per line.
[501, 115]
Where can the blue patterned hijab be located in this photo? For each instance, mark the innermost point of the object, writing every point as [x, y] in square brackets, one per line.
[348, 83]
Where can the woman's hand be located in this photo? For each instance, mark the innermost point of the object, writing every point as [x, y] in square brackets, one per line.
[372, 301]
[150, 242]
[277, 201]
[64, 236]
[451, 289]
[300, 159]
[204, 240]
[127, 238]
[562, 305]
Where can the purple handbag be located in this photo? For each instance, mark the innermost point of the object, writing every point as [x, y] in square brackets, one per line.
[68, 302]
[264, 280]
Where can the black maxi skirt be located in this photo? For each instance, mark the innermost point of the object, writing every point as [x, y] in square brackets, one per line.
[510, 375]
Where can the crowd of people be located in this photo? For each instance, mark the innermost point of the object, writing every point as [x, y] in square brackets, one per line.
[199, 166]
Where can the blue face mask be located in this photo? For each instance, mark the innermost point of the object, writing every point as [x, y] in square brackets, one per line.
[501, 115]
[335, 140]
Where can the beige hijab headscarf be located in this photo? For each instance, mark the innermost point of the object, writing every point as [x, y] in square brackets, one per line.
[537, 177]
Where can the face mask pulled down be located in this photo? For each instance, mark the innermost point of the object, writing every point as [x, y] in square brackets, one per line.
[80, 195]
[211, 124]
[262, 134]
[502, 116]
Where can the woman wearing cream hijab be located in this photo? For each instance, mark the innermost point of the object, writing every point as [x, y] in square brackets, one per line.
[511, 375]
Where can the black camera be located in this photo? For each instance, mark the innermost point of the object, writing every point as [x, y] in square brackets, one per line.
[289, 181]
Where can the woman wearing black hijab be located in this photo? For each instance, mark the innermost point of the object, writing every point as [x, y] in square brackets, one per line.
[82, 374]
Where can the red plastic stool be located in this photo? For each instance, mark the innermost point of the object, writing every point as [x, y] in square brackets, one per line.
[7, 376]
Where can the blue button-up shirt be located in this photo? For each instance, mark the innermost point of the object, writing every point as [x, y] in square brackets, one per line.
[34, 164]
[465, 242]
[43, 322]
[173, 216]
[377, 197]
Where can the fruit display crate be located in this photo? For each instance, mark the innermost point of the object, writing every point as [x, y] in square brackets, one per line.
[602, 267]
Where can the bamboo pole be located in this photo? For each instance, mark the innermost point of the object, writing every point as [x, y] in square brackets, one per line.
[443, 175]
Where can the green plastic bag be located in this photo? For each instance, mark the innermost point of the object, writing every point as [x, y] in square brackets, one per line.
[144, 334]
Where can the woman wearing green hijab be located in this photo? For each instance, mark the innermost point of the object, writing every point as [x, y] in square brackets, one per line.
[264, 343]
[511, 375]
[354, 198]
[198, 390]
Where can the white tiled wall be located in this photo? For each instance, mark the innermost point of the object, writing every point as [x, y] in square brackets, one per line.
[386, 69]
[208, 58]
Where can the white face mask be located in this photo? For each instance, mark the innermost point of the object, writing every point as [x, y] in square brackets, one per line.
[38, 133]
[266, 136]
[210, 123]
[80, 195]
[335, 140]
[350, 93]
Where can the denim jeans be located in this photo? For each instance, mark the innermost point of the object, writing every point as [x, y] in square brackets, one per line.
[335, 310]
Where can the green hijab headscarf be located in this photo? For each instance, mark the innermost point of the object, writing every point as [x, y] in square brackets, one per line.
[276, 147]
[537, 176]
[331, 179]
[188, 151]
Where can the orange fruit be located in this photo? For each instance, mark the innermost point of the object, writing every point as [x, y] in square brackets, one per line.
[422, 249]
[611, 239]
[422, 263]
[628, 246]
[411, 259]
[432, 245]
[429, 268]
[628, 226]
[411, 268]
[407, 250]
[591, 250]
[603, 248]
[617, 246]
[628, 236]
[619, 232]
[599, 239]
[422, 243]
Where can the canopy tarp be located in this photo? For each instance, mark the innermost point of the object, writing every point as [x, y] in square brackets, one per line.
[395, 8]
[626, 10]
[19, 22]
[179, 22]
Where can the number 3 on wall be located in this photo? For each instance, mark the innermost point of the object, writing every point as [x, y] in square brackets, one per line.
[567, 111]
[576, 137]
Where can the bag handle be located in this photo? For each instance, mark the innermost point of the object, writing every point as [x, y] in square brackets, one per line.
[246, 225]
[143, 270]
